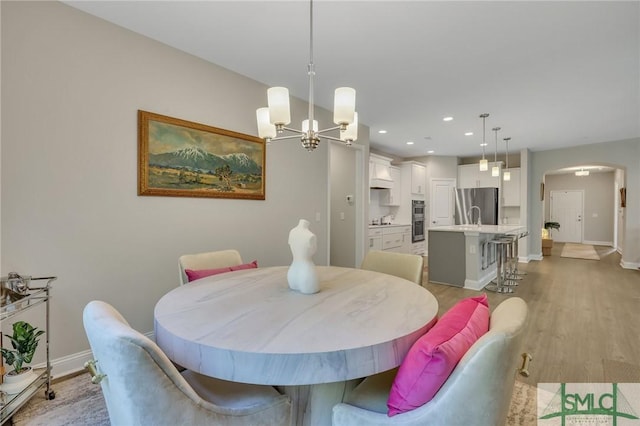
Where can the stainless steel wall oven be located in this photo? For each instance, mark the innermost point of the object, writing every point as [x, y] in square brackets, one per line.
[417, 220]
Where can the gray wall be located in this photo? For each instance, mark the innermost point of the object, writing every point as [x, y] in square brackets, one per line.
[599, 199]
[343, 213]
[623, 154]
[72, 85]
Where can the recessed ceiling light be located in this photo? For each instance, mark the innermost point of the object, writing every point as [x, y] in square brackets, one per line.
[484, 144]
[469, 134]
[447, 119]
[382, 132]
[410, 143]
[430, 151]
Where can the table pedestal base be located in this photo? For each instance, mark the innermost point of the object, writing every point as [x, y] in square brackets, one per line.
[312, 405]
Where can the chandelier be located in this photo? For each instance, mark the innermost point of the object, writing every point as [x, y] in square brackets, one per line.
[273, 120]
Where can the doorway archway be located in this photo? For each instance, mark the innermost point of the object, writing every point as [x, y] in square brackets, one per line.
[600, 217]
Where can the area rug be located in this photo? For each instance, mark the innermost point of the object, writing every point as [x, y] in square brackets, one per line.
[579, 251]
[78, 402]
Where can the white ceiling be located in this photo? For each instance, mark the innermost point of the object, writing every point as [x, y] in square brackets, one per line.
[551, 74]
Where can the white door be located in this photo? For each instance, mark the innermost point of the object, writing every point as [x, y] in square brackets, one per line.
[566, 208]
[441, 201]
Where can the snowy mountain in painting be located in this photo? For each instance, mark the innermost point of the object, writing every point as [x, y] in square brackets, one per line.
[194, 158]
[191, 153]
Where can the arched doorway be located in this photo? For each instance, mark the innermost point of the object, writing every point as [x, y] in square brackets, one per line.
[585, 198]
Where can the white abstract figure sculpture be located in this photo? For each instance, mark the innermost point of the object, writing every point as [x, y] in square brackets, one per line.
[302, 272]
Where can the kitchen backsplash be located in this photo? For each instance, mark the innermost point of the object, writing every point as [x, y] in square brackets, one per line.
[376, 211]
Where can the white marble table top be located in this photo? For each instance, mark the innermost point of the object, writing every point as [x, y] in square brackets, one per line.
[247, 326]
[482, 229]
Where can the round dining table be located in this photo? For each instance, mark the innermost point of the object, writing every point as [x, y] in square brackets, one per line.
[248, 326]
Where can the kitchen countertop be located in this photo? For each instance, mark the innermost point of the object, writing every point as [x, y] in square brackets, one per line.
[389, 225]
[482, 229]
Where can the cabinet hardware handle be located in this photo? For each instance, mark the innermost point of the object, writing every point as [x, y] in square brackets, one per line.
[93, 371]
[524, 369]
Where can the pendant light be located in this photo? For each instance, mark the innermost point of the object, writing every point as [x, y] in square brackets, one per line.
[507, 174]
[495, 170]
[484, 163]
[272, 120]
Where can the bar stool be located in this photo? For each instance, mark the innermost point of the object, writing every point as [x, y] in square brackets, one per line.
[511, 260]
[515, 272]
[501, 245]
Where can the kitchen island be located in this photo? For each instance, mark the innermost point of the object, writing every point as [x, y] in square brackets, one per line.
[460, 255]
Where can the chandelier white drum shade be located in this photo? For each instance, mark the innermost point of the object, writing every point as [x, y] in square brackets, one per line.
[272, 120]
[279, 110]
[344, 106]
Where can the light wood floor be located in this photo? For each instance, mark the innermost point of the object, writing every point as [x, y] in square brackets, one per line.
[584, 317]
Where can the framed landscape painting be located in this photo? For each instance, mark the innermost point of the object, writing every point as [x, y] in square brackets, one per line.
[180, 158]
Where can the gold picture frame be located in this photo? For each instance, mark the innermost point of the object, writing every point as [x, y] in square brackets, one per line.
[179, 158]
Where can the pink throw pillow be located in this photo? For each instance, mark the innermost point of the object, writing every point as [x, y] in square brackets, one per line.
[197, 274]
[249, 265]
[433, 357]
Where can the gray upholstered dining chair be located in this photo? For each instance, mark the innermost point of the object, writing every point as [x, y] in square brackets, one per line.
[478, 391]
[208, 260]
[407, 266]
[142, 387]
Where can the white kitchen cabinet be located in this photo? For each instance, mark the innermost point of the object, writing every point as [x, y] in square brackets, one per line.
[392, 196]
[470, 176]
[379, 172]
[418, 248]
[511, 189]
[375, 239]
[392, 242]
[407, 245]
[418, 178]
[394, 237]
[414, 178]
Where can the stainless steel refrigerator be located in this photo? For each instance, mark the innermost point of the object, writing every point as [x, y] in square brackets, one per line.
[485, 199]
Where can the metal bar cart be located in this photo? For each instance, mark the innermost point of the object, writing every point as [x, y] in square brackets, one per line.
[17, 296]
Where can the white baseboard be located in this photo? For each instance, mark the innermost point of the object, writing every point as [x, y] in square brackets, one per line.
[537, 256]
[71, 364]
[629, 265]
[599, 243]
[480, 283]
